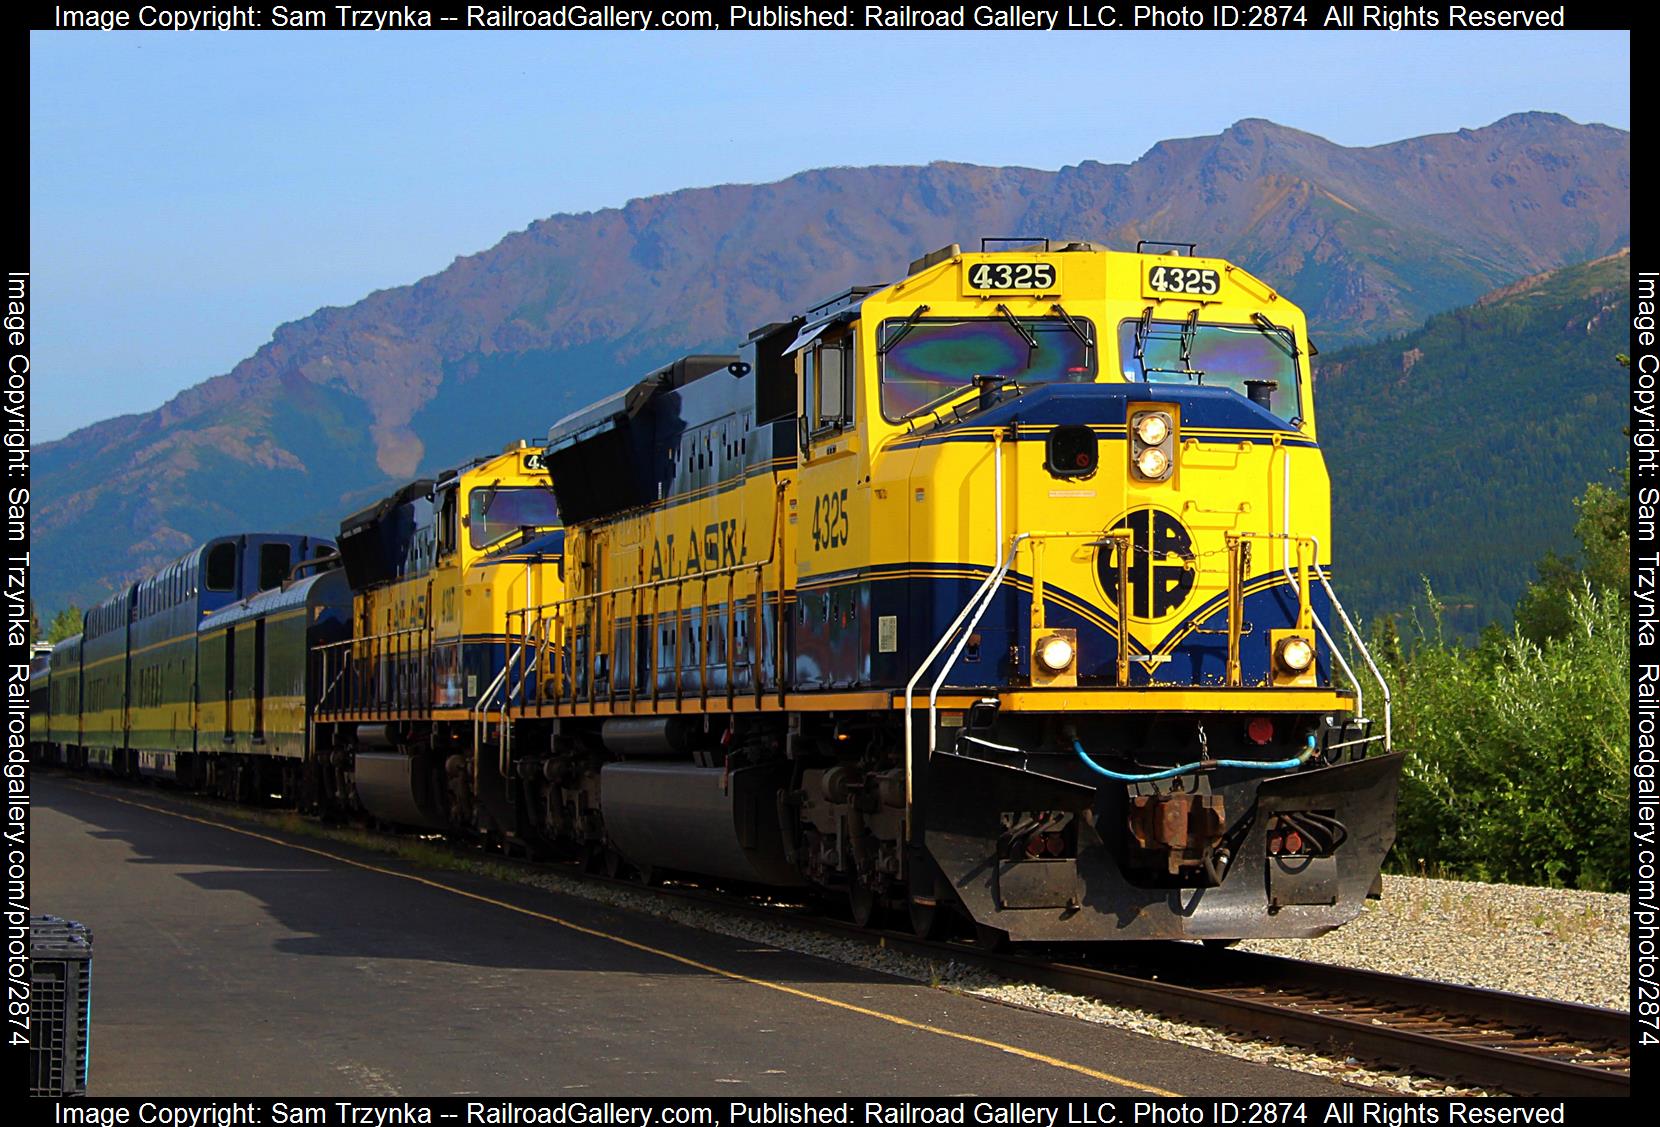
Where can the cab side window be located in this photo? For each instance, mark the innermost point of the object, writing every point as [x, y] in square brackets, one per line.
[447, 523]
[828, 368]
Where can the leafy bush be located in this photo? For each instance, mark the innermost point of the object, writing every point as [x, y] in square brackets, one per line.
[1518, 751]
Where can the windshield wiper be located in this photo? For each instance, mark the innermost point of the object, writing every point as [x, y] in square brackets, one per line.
[1072, 323]
[1279, 334]
[489, 498]
[1025, 333]
[899, 334]
[517, 538]
[1188, 332]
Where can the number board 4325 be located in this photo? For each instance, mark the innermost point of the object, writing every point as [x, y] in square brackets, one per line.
[1011, 277]
[1165, 280]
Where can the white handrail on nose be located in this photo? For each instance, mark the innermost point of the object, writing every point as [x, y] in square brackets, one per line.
[983, 592]
[980, 599]
[1365, 652]
[1348, 625]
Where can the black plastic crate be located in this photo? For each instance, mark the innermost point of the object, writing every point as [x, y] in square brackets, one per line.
[60, 1025]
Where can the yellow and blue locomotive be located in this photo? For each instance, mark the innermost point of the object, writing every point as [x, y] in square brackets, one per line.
[1000, 592]
[406, 707]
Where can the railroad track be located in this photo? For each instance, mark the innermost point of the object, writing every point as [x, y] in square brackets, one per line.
[1465, 1034]
[1482, 1038]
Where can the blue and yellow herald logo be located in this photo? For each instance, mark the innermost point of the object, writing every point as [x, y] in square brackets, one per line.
[1161, 571]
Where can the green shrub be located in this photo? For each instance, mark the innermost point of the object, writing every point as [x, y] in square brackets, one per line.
[1518, 753]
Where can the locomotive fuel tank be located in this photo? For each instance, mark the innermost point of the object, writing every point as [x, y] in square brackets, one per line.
[683, 818]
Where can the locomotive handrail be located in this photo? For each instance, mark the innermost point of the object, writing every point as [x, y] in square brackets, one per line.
[977, 604]
[1365, 653]
[944, 639]
[982, 597]
[1337, 655]
[323, 695]
[1035, 539]
[1236, 608]
[1302, 586]
[1236, 596]
[1353, 633]
[387, 644]
[480, 710]
[542, 613]
[504, 751]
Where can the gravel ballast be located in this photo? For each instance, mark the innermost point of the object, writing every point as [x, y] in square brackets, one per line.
[1545, 942]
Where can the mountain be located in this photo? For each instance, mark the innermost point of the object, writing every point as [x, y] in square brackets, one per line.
[1456, 450]
[344, 403]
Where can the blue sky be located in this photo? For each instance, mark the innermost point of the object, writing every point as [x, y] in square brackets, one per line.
[191, 192]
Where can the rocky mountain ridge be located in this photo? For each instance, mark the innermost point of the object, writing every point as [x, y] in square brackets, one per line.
[342, 404]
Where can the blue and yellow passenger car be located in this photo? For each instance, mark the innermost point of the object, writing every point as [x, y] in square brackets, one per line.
[131, 705]
[256, 692]
[40, 692]
[63, 701]
[104, 669]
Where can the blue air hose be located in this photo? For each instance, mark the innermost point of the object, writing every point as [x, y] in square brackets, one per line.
[1246, 764]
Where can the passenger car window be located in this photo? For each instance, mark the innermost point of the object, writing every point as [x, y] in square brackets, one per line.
[221, 567]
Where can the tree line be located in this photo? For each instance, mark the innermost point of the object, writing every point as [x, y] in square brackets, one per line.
[1518, 743]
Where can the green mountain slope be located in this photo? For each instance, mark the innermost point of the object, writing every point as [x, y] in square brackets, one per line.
[1457, 449]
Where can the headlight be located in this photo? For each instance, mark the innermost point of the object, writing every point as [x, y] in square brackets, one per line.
[1295, 655]
[1152, 445]
[1152, 428]
[1152, 463]
[1055, 653]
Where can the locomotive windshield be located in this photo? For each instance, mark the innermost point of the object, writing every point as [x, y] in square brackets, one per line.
[926, 360]
[493, 514]
[1245, 358]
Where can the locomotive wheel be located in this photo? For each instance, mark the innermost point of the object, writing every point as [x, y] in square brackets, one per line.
[862, 903]
[927, 920]
[930, 900]
[616, 867]
[1220, 944]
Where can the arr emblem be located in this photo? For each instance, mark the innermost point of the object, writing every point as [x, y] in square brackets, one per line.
[1161, 571]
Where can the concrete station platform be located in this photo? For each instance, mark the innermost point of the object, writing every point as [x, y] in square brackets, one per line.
[233, 959]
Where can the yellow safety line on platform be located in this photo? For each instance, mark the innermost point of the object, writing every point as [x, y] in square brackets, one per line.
[893, 1019]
